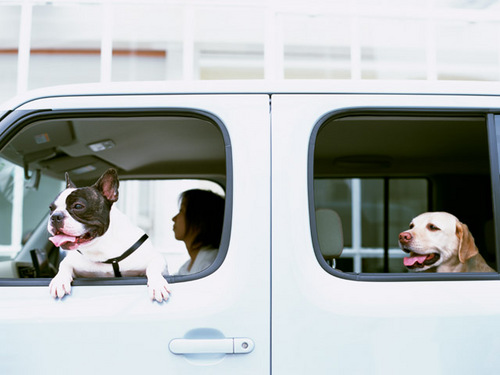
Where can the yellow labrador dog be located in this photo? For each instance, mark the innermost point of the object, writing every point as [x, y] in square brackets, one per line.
[439, 242]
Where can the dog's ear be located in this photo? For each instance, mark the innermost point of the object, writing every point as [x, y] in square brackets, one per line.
[466, 246]
[108, 185]
[69, 183]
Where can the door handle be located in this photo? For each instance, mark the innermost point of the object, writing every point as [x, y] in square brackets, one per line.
[234, 345]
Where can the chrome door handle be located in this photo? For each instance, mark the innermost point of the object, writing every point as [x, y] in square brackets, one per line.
[234, 345]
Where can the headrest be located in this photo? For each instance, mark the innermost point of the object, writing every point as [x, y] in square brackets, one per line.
[330, 237]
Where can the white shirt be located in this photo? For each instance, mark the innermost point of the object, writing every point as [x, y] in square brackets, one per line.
[203, 260]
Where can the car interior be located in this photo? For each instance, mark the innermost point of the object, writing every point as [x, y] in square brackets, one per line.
[447, 154]
[173, 145]
[140, 145]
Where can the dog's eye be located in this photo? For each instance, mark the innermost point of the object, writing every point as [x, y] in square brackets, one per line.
[411, 226]
[78, 206]
[432, 227]
[52, 207]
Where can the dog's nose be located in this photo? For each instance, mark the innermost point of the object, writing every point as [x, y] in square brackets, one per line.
[57, 217]
[405, 237]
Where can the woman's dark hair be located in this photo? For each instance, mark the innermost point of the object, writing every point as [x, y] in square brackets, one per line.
[204, 213]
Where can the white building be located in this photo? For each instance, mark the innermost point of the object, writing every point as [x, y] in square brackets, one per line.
[68, 41]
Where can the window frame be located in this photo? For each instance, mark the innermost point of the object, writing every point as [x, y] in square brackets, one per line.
[487, 114]
[24, 118]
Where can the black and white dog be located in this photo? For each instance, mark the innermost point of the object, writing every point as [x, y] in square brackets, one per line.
[102, 241]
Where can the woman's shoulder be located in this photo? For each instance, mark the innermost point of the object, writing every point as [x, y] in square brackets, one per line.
[207, 254]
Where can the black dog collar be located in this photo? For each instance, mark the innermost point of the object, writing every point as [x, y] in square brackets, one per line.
[134, 247]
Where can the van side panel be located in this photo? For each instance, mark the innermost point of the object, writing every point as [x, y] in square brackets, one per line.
[116, 328]
[342, 326]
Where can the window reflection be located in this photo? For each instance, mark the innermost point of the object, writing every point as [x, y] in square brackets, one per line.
[360, 205]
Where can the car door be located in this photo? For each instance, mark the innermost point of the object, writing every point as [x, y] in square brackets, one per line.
[219, 323]
[337, 322]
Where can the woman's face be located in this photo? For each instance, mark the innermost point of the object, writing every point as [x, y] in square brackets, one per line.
[180, 223]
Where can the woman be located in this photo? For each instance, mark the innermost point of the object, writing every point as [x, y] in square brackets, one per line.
[199, 225]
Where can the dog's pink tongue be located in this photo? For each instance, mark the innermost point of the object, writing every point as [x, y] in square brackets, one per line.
[60, 239]
[414, 258]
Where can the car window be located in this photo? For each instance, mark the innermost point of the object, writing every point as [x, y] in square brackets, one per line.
[157, 156]
[22, 206]
[368, 207]
[375, 172]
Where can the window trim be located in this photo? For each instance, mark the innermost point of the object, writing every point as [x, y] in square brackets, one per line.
[25, 118]
[492, 124]
[488, 115]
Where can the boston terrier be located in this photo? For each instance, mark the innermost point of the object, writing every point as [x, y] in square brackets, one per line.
[101, 241]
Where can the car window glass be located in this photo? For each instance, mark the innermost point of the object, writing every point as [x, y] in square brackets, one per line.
[362, 205]
[376, 172]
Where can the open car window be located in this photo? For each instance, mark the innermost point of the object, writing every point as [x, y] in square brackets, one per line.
[371, 173]
[157, 155]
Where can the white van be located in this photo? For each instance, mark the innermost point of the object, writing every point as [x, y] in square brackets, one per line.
[290, 292]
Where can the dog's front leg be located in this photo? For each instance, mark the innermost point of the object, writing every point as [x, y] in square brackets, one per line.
[157, 285]
[61, 283]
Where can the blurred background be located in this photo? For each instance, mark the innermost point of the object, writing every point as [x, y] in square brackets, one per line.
[45, 43]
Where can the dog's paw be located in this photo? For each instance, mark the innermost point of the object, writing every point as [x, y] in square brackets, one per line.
[158, 289]
[60, 286]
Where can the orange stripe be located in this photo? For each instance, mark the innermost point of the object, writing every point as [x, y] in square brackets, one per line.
[116, 52]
